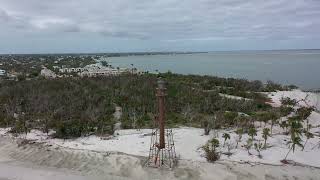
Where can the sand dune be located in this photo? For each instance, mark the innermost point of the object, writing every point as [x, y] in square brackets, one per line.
[40, 161]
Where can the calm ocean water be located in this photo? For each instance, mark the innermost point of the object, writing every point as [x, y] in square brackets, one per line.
[299, 67]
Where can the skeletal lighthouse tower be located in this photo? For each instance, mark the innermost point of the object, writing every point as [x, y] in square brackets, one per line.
[162, 151]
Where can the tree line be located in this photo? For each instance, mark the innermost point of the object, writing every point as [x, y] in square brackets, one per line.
[74, 107]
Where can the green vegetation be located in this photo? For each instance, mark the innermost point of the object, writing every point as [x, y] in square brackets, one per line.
[258, 147]
[248, 146]
[295, 134]
[252, 132]
[288, 102]
[239, 131]
[304, 113]
[285, 110]
[76, 107]
[294, 125]
[210, 149]
[225, 136]
[265, 135]
[29, 66]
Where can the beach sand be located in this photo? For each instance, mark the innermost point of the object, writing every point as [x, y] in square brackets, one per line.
[40, 161]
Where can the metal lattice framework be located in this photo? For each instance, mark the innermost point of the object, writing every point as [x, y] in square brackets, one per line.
[162, 157]
[162, 151]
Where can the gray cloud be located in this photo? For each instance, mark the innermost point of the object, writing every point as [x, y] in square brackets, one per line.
[3, 16]
[166, 20]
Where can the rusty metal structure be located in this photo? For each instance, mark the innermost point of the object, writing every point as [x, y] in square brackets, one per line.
[162, 151]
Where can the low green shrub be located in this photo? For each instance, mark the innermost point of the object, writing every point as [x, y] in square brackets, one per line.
[210, 149]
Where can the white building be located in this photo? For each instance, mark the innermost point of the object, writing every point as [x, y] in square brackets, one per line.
[71, 70]
[12, 77]
[93, 70]
[47, 73]
[2, 72]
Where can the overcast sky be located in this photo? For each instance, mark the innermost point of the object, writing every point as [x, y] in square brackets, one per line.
[49, 26]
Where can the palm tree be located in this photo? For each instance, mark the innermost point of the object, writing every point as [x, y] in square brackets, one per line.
[274, 119]
[295, 132]
[210, 150]
[308, 135]
[265, 134]
[214, 143]
[284, 125]
[252, 132]
[295, 141]
[225, 136]
[239, 132]
[248, 146]
[258, 147]
[304, 113]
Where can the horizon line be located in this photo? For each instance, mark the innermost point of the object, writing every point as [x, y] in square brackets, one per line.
[159, 52]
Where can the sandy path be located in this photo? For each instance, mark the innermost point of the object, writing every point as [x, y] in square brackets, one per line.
[40, 161]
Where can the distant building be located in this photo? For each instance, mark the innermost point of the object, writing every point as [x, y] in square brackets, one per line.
[12, 77]
[2, 72]
[47, 73]
[71, 70]
[94, 70]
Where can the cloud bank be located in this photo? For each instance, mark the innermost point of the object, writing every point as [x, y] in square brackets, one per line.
[164, 21]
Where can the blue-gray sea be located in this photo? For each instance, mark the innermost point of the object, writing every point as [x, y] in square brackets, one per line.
[298, 67]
